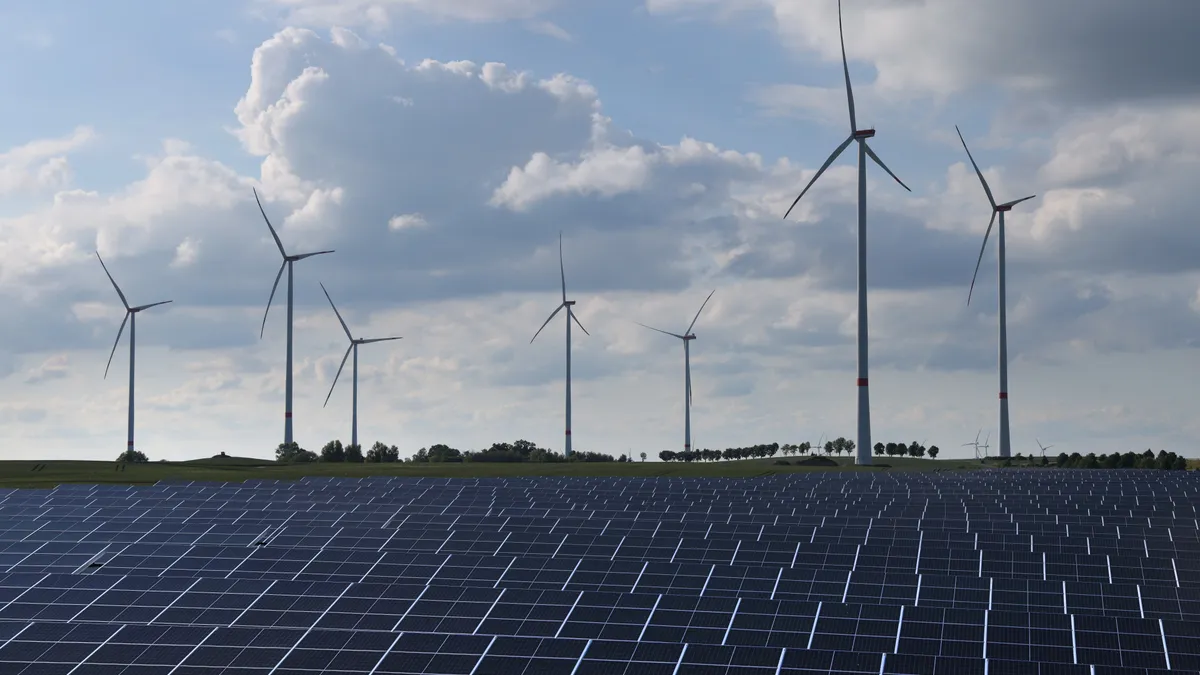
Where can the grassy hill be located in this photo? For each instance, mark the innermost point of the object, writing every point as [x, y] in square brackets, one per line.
[23, 473]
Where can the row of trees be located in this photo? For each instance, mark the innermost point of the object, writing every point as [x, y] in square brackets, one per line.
[913, 449]
[334, 451]
[517, 451]
[1130, 460]
[837, 446]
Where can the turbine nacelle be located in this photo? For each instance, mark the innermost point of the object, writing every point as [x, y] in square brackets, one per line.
[1004, 207]
[863, 133]
[568, 302]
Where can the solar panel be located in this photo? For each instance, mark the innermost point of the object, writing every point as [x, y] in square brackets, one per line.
[992, 572]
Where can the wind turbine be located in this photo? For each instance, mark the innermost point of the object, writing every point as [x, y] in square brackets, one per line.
[1043, 447]
[985, 445]
[570, 317]
[288, 260]
[354, 343]
[864, 151]
[974, 444]
[1005, 446]
[130, 316]
[687, 337]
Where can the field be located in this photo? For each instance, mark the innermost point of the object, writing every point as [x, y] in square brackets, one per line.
[22, 474]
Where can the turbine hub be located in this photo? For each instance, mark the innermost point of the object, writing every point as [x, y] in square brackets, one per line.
[864, 133]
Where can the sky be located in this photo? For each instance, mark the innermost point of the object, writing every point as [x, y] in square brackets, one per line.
[441, 146]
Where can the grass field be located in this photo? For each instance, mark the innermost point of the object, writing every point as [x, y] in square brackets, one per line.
[22, 474]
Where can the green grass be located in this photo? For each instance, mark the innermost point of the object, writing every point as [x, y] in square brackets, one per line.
[21, 474]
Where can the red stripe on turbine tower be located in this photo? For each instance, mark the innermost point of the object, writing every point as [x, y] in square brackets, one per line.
[129, 443]
[287, 414]
[568, 432]
[862, 381]
[1004, 394]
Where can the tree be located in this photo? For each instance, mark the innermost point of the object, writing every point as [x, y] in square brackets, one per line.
[380, 452]
[643, 456]
[292, 453]
[333, 452]
[879, 448]
[132, 456]
[933, 451]
[849, 446]
[354, 453]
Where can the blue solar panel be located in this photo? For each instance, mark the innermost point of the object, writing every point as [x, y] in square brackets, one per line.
[985, 572]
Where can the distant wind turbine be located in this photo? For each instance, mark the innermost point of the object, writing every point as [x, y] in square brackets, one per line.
[687, 337]
[864, 151]
[975, 444]
[354, 343]
[1005, 446]
[1043, 447]
[131, 317]
[570, 317]
[287, 262]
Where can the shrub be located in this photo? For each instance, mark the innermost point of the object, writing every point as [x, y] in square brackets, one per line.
[354, 453]
[380, 452]
[292, 453]
[133, 457]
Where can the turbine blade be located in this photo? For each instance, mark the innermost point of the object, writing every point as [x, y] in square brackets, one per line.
[302, 256]
[367, 342]
[820, 171]
[153, 304]
[572, 315]
[660, 331]
[552, 315]
[339, 314]
[561, 269]
[872, 155]
[114, 283]
[1018, 201]
[277, 277]
[339, 373]
[980, 260]
[272, 229]
[115, 343]
[846, 72]
[693, 323]
[988, 190]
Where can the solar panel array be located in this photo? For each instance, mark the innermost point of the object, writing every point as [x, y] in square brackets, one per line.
[992, 572]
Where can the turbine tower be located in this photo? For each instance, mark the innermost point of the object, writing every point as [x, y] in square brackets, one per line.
[570, 317]
[1005, 445]
[687, 337]
[354, 343]
[864, 151]
[288, 260]
[131, 317]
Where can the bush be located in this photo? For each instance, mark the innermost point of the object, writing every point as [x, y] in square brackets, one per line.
[354, 453]
[292, 453]
[133, 457]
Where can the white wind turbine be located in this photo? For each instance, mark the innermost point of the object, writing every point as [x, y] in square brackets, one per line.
[1044, 448]
[131, 317]
[975, 444]
[687, 337]
[1005, 446]
[864, 151]
[570, 317]
[354, 343]
[288, 260]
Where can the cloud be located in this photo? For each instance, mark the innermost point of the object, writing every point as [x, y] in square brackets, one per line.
[407, 221]
[943, 47]
[379, 14]
[41, 164]
[53, 368]
[348, 139]
[550, 29]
